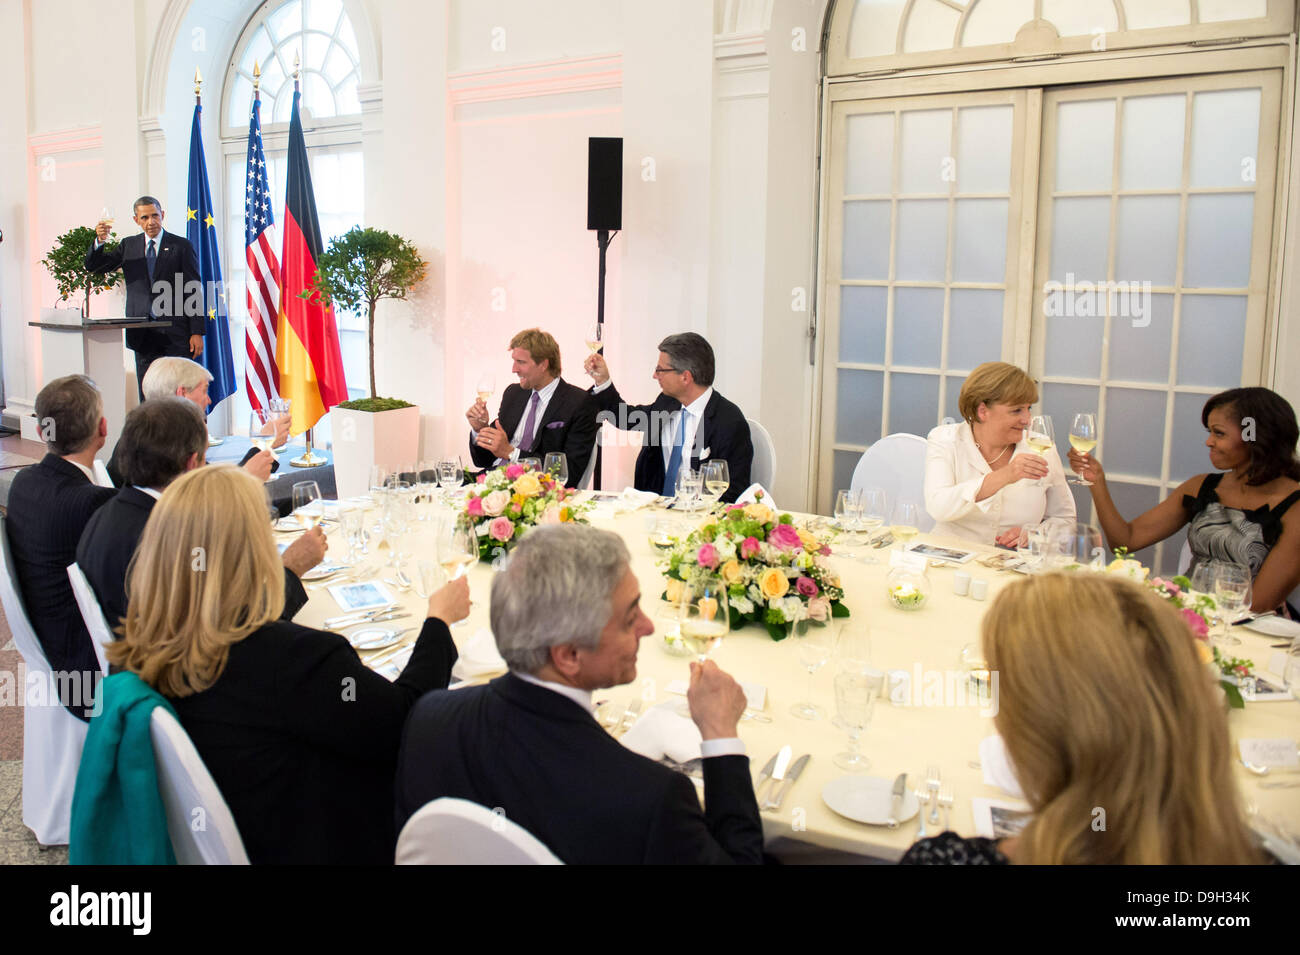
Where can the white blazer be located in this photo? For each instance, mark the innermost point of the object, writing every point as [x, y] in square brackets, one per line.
[954, 471]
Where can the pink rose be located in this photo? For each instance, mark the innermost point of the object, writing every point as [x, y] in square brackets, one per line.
[514, 470]
[1196, 622]
[495, 503]
[482, 478]
[550, 516]
[819, 609]
[475, 507]
[785, 537]
[748, 547]
[708, 556]
[806, 586]
[501, 529]
[824, 550]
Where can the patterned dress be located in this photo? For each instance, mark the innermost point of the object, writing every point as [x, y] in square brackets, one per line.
[948, 848]
[1229, 533]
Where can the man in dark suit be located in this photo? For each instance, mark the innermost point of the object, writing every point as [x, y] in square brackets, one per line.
[162, 281]
[711, 428]
[48, 508]
[542, 413]
[565, 611]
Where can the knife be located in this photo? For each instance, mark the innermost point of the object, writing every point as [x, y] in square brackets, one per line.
[764, 775]
[896, 807]
[775, 802]
[360, 615]
[392, 614]
[778, 771]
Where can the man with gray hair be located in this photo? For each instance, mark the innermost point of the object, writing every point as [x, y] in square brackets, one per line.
[567, 618]
[688, 424]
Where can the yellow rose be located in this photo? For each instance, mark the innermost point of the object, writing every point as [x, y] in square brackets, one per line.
[759, 512]
[730, 571]
[674, 590]
[808, 540]
[527, 485]
[1207, 655]
[773, 583]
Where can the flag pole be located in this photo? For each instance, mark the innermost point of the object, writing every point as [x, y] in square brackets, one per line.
[213, 441]
[309, 458]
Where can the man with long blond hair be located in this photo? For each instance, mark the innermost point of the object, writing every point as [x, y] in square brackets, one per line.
[1116, 731]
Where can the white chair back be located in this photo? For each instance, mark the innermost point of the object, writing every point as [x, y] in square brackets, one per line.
[897, 464]
[591, 463]
[100, 634]
[763, 470]
[199, 822]
[459, 832]
[100, 470]
[52, 737]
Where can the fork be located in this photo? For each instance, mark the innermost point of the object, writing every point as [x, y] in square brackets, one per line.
[946, 798]
[923, 796]
[932, 783]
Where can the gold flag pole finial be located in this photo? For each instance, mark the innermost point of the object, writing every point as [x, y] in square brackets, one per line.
[257, 77]
[198, 85]
[297, 71]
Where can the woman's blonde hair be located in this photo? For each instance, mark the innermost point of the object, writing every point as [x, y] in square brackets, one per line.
[1116, 728]
[995, 383]
[205, 575]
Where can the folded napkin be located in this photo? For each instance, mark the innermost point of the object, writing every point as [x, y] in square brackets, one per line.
[751, 495]
[478, 657]
[632, 499]
[662, 731]
[998, 770]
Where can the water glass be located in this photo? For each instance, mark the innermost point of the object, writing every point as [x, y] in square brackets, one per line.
[1232, 591]
[855, 696]
[689, 488]
[557, 466]
[852, 647]
[351, 519]
[815, 645]
[426, 577]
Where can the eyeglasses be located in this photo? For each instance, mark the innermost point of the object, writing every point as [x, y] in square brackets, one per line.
[665, 371]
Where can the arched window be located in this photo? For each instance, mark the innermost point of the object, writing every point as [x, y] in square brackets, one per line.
[321, 34]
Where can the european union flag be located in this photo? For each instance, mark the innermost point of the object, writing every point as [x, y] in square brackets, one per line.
[201, 230]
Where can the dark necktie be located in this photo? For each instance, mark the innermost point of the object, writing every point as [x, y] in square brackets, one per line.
[675, 459]
[526, 442]
[150, 259]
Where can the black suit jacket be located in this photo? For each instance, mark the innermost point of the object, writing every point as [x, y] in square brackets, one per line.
[49, 505]
[543, 759]
[175, 268]
[723, 435]
[568, 425]
[302, 738]
[114, 466]
[109, 542]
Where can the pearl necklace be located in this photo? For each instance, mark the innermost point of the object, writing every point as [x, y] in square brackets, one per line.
[986, 458]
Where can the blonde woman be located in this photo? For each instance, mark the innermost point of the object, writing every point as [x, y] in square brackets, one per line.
[981, 478]
[299, 735]
[1105, 704]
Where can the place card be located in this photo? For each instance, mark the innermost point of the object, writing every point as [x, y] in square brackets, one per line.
[1274, 753]
[361, 596]
[999, 818]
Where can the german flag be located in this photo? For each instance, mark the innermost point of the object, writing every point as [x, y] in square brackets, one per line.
[307, 338]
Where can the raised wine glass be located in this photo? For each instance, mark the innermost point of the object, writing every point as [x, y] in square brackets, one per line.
[486, 387]
[704, 614]
[594, 336]
[1083, 438]
[1041, 438]
[306, 504]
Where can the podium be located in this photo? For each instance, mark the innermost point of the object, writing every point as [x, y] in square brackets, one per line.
[91, 347]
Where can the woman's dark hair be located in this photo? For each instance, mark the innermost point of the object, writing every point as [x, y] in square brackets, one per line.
[1268, 428]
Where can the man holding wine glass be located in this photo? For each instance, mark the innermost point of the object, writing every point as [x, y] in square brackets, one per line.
[543, 413]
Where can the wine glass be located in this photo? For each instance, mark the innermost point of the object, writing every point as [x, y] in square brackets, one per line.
[704, 615]
[396, 518]
[1040, 438]
[556, 465]
[450, 476]
[595, 337]
[1232, 591]
[306, 506]
[1083, 438]
[689, 486]
[871, 515]
[855, 696]
[350, 520]
[457, 549]
[848, 515]
[852, 647]
[486, 386]
[904, 524]
[378, 477]
[425, 578]
[716, 478]
[815, 644]
[1033, 552]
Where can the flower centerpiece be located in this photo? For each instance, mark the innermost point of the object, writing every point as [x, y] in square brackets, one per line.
[510, 500]
[776, 573]
[1197, 609]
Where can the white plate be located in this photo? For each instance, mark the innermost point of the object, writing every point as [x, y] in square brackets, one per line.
[1274, 627]
[374, 638]
[867, 799]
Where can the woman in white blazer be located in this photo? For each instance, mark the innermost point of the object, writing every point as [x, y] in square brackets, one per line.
[982, 482]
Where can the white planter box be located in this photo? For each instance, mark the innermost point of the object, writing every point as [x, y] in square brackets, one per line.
[361, 439]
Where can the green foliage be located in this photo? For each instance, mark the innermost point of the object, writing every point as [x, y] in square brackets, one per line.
[375, 404]
[66, 262]
[361, 268]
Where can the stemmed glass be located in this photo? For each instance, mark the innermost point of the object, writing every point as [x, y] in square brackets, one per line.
[716, 478]
[457, 548]
[872, 514]
[816, 644]
[1083, 438]
[855, 696]
[396, 519]
[848, 515]
[450, 475]
[261, 428]
[1232, 591]
[280, 408]
[689, 486]
[306, 506]
[486, 387]
[557, 466]
[704, 616]
[351, 520]
[1041, 438]
[853, 648]
[904, 525]
[595, 337]
[425, 576]
[1033, 552]
[378, 478]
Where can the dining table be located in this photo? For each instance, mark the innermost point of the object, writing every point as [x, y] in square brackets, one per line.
[933, 719]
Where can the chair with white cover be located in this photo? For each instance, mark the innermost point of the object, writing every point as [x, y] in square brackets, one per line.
[100, 634]
[763, 469]
[591, 465]
[200, 824]
[100, 470]
[450, 831]
[897, 464]
[52, 737]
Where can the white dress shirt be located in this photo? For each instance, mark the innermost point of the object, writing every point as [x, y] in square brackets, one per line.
[954, 472]
[708, 747]
[694, 414]
[90, 475]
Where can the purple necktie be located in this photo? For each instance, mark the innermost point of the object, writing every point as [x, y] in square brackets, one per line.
[526, 442]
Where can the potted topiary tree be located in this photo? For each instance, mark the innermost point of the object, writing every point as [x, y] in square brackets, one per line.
[360, 269]
[66, 262]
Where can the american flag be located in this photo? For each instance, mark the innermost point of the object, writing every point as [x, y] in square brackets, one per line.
[260, 242]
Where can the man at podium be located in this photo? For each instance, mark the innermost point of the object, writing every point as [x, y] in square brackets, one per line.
[162, 282]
